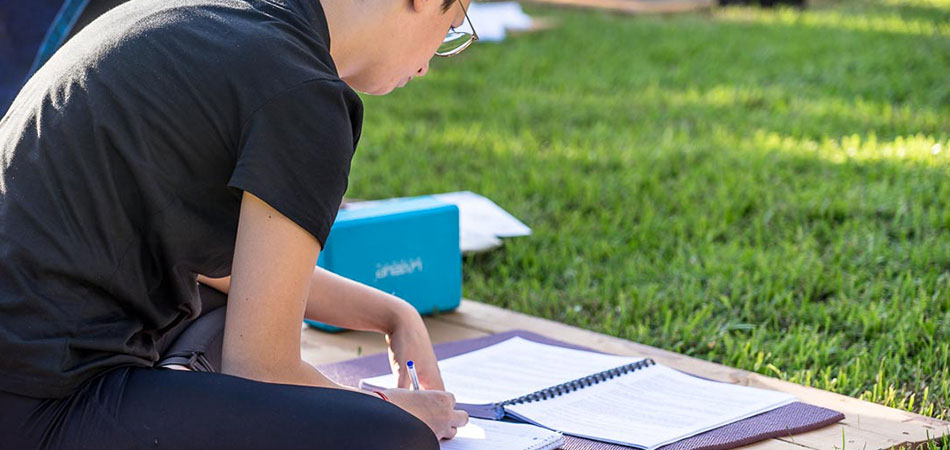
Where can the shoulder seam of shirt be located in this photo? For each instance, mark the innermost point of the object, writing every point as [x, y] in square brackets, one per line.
[280, 93]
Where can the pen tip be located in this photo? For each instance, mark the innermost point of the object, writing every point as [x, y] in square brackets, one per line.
[409, 363]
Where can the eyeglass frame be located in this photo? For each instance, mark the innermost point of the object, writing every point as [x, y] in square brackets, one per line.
[473, 38]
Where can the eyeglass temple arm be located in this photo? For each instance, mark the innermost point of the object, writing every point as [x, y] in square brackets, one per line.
[465, 13]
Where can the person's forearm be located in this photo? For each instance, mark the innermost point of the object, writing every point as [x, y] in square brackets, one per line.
[301, 373]
[342, 302]
[338, 301]
[221, 284]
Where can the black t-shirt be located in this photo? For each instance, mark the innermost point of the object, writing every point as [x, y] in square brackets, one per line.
[123, 162]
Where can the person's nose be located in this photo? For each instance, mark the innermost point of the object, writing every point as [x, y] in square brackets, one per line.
[423, 70]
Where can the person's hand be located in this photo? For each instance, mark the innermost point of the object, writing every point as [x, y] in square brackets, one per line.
[435, 408]
[409, 341]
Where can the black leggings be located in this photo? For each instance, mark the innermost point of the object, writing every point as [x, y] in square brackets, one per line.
[138, 408]
[132, 408]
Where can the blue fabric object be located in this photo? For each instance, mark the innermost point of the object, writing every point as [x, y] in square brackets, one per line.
[25, 27]
[408, 247]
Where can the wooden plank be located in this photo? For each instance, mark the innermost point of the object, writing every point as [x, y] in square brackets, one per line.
[853, 438]
[774, 444]
[320, 347]
[867, 425]
[491, 319]
[894, 426]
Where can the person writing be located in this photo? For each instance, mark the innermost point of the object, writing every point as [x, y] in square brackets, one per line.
[177, 141]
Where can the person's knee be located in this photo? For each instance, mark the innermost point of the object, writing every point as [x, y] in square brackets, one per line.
[420, 437]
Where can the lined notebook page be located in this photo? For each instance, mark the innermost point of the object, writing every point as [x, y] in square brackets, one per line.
[512, 368]
[649, 407]
[491, 435]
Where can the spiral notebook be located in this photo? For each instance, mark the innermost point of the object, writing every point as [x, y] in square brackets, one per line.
[482, 434]
[609, 398]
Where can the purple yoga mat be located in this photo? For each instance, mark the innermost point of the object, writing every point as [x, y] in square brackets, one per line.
[784, 421]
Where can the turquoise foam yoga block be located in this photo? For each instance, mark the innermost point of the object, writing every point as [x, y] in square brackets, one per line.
[408, 247]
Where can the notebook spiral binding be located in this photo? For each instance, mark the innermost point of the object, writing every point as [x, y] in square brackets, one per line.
[580, 383]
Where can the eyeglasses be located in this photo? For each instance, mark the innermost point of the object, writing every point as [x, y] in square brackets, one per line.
[456, 40]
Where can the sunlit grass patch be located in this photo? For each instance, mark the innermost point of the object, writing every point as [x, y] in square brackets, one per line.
[891, 22]
[768, 189]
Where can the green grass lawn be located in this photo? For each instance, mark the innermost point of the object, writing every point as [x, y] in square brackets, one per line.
[767, 189]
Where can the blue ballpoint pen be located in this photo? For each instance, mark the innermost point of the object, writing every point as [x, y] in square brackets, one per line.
[412, 375]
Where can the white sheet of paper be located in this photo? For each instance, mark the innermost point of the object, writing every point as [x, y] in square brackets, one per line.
[479, 213]
[481, 221]
[649, 407]
[513, 368]
[492, 435]
[474, 241]
[493, 20]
